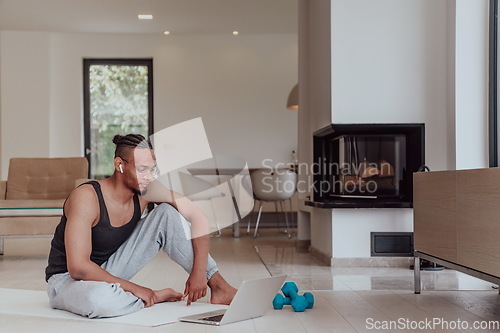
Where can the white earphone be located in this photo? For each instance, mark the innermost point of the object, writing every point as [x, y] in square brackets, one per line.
[121, 169]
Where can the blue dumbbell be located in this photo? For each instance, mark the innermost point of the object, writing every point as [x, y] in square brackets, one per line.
[310, 300]
[299, 303]
[279, 301]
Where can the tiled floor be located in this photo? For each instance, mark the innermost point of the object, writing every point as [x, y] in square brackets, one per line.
[348, 299]
[310, 274]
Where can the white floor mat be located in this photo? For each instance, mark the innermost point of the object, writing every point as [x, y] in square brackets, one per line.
[36, 303]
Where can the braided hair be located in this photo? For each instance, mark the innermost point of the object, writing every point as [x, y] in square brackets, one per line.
[125, 143]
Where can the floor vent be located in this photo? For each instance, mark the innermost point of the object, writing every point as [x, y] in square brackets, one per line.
[392, 244]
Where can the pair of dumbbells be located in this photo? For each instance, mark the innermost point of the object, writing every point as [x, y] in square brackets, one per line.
[299, 303]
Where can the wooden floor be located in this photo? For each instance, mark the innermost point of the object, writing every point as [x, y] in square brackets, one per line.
[347, 299]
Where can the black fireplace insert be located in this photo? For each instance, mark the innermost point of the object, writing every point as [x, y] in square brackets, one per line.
[366, 165]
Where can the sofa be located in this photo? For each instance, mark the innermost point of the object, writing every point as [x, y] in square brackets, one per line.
[32, 197]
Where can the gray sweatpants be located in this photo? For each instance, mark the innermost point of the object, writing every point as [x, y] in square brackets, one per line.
[163, 228]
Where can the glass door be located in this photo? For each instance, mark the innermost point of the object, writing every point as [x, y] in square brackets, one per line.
[118, 99]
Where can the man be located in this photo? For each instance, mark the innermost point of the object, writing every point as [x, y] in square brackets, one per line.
[102, 241]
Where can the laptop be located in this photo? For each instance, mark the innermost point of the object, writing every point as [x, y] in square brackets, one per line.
[251, 301]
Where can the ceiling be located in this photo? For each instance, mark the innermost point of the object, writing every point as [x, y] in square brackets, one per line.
[177, 16]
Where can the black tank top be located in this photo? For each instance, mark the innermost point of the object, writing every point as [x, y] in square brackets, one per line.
[106, 239]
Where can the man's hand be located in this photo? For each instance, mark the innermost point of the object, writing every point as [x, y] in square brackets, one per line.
[196, 286]
[147, 295]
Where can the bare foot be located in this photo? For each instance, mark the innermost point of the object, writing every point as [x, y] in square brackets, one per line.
[167, 295]
[223, 296]
[221, 291]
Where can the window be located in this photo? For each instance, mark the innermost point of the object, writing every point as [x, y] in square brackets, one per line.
[118, 99]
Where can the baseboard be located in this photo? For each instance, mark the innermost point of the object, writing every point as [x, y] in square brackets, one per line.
[303, 246]
[360, 262]
[320, 255]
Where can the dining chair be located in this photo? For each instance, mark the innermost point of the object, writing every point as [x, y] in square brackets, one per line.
[273, 185]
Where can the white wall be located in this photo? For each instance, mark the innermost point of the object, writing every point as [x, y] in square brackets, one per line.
[450, 79]
[304, 137]
[25, 72]
[314, 113]
[471, 84]
[238, 85]
[400, 61]
[0, 102]
[322, 231]
[389, 66]
[351, 228]
[415, 61]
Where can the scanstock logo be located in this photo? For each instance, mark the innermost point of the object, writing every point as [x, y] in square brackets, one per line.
[219, 186]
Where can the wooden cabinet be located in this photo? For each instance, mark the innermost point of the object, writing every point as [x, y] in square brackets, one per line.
[457, 217]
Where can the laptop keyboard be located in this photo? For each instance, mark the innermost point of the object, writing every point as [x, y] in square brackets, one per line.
[213, 318]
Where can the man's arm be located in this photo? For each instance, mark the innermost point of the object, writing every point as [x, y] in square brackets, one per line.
[196, 285]
[81, 210]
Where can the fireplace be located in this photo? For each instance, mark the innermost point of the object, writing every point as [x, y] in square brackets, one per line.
[366, 165]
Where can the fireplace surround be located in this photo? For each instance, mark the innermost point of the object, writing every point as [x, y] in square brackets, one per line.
[366, 165]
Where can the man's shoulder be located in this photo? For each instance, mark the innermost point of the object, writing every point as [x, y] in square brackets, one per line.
[82, 195]
[84, 189]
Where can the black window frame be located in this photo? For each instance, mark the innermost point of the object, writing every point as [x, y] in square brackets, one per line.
[87, 62]
[493, 85]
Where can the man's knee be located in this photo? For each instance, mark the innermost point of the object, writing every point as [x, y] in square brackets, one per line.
[94, 299]
[110, 300]
[166, 209]
[166, 213]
